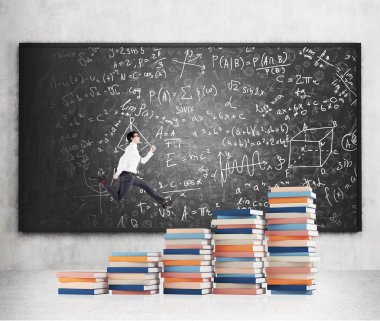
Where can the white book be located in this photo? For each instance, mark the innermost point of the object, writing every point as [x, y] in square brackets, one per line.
[188, 285]
[83, 285]
[187, 242]
[290, 264]
[117, 292]
[188, 230]
[133, 264]
[287, 243]
[139, 282]
[291, 189]
[239, 264]
[239, 242]
[132, 276]
[176, 257]
[237, 221]
[237, 286]
[290, 215]
[238, 237]
[291, 276]
[292, 258]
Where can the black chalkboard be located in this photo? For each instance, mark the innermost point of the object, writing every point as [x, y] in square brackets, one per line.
[229, 121]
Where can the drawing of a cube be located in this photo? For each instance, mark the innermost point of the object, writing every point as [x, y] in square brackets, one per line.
[311, 147]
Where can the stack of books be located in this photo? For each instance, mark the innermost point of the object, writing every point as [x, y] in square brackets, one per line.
[134, 272]
[82, 282]
[187, 261]
[239, 252]
[291, 233]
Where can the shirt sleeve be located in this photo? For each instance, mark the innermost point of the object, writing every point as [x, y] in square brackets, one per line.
[121, 165]
[146, 158]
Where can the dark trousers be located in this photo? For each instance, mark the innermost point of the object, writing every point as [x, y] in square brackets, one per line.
[127, 181]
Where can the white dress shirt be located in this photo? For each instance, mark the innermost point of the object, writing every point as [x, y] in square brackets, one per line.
[131, 159]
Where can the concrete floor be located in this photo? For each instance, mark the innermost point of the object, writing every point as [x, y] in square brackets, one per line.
[339, 295]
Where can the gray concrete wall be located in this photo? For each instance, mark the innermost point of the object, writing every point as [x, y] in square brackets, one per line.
[181, 21]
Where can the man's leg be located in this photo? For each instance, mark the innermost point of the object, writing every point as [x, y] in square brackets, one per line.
[147, 187]
[126, 184]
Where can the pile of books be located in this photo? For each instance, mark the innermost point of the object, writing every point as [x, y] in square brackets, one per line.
[134, 272]
[291, 233]
[82, 282]
[187, 261]
[239, 252]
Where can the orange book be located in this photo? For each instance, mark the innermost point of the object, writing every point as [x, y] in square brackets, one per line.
[186, 280]
[238, 291]
[82, 280]
[288, 281]
[279, 200]
[283, 238]
[133, 259]
[183, 262]
[239, 248]
[187, 275]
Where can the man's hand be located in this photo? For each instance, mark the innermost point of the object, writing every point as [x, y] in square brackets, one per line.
[153, 148]
[115, 176]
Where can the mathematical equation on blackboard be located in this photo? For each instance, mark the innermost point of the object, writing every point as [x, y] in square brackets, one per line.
[228, 122]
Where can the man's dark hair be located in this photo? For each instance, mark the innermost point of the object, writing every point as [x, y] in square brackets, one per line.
[130, 135]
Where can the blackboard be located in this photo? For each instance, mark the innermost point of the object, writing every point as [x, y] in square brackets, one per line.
[228, 120]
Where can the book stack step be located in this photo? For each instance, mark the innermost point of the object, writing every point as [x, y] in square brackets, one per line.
[82, 282]
[187, 261]
[239, 252]
[291, 237]
[134, 273]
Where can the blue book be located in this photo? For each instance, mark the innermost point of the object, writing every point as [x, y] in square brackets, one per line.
[189, 268]
[184, 251]
[237, 259]
[248, 217]
[187, 236]
[235, 231]
[308, 292]
[238, 212]
[82, 291]
[292, 194]
[289, 254]
[291, 287]
[136, 253]
[239, 275]
[275, 249]
[186, 291]
[286, 227]
[132, 270]
[245, 280]
[293, 209]
[132, 287]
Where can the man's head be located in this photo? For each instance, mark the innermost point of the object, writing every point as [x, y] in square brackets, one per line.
[133, 137]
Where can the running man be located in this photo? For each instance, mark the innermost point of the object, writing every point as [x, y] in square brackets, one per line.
[127, 172]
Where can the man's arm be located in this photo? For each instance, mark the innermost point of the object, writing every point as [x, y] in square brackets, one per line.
[143, 160]
[146, 158]
[120, 166]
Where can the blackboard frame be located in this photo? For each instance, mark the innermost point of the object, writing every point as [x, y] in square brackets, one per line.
[22, 46]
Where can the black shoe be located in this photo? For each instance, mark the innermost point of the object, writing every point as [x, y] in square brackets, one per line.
[166, 204]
